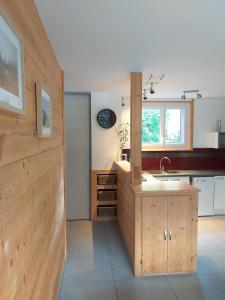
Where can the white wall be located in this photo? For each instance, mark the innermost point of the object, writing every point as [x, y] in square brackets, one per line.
[105, 142]
[207, 112]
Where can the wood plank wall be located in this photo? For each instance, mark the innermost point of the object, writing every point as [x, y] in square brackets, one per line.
[126, 212]
[32, 224]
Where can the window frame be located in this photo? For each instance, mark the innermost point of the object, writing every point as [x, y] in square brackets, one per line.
[188, 107]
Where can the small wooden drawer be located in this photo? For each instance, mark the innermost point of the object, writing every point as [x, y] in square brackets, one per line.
[106, 211]
[106, 179]
[106, 195]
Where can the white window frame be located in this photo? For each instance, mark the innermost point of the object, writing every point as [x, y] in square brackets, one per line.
[187, 144]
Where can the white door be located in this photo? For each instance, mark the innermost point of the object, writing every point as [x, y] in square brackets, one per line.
[219, 195]
[78, 137]
[205, 199]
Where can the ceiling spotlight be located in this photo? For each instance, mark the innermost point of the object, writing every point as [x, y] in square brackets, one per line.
[144, 95]
[152, 91]
[198, 95]
[150, 85]
[183, 97]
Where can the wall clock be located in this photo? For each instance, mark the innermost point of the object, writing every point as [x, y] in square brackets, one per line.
[106, 118]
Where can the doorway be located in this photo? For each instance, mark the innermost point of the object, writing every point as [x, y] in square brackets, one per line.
[78, 154]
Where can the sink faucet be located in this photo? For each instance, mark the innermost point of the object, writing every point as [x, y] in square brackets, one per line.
[161, 166]
[124, 156]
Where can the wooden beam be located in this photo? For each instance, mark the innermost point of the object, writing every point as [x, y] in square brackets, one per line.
[136, 119]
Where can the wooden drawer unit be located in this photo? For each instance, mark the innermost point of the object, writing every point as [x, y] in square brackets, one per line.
[106, 179]
[103, 195]
[106, 211]
[106, 195]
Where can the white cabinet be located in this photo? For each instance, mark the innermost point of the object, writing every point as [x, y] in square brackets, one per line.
[206, 194]
[219, 194]
[185, 179]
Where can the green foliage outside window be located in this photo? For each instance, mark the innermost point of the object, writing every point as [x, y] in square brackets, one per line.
[150, 126]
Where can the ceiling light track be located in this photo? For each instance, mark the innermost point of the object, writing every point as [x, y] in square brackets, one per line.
[151, 83]
[198, 95]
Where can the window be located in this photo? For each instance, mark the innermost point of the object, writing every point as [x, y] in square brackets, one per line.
[166, 125]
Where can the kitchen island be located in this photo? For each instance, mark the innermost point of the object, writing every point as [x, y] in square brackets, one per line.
[158, 222]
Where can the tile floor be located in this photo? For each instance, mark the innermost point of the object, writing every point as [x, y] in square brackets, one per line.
[98, 269]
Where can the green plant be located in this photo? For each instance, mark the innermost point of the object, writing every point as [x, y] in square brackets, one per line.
[123, 134]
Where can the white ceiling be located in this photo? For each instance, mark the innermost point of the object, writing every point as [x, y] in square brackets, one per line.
[99, 42]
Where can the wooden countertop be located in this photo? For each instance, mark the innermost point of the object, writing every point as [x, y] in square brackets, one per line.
[124, 165]
[155, 186]
[163, 187]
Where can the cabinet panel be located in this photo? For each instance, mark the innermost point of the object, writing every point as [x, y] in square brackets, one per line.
[154, 243]
[205, 202]
[219, 195]
[182, 228]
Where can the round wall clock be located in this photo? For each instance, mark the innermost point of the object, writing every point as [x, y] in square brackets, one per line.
[106, 118]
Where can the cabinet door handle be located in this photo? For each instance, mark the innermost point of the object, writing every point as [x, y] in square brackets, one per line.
[170, 234]
[165, 234]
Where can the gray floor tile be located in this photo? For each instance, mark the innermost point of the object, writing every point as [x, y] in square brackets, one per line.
[121, 267]
[151, 288]
[86, 291]
[193, 287]
[115, 241]
[216, 260]
[87, 239]
[221, 276]
[97, 255]
[203, 265]
[88, 269]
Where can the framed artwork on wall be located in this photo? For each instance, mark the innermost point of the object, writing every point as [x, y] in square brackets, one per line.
[44, 111]
[11, 70]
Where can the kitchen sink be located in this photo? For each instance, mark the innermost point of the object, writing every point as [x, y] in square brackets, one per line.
[157, 172]
[172, 171]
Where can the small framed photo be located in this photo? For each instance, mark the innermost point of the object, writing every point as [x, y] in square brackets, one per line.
[44, 111]
[11, 70]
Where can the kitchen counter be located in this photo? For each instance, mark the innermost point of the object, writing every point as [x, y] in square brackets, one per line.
[203, 173]
[152, 185]
[158, 222]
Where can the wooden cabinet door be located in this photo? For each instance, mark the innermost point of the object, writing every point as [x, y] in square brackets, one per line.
[182, 234]
[154, 242]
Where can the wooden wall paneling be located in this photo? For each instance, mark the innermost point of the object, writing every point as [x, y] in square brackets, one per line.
[32, 214]
[138, 255]
[126, 212]
[136, 120]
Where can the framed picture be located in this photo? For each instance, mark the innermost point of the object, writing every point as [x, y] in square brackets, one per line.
[44, 111]
[11, 70]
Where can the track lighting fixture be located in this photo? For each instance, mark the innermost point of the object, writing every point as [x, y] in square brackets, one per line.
[198, 95]
[151, 82]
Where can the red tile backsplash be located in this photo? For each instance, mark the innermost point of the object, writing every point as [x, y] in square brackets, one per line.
[198, 159]
[185, 163]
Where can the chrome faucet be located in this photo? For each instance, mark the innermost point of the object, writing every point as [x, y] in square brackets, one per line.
[162, 168]
[124, 156]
